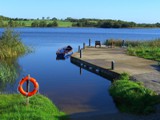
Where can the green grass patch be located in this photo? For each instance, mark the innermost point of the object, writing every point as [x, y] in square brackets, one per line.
[26, 23]
[64, 24]
[132, 96]
[13, 107]
[60, 23]
[147, 52]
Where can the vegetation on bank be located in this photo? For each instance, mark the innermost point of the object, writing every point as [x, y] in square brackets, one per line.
[11, 45]
[145, 49]
[13, 107]
[11, 48]
[132, 96]
[71, 22]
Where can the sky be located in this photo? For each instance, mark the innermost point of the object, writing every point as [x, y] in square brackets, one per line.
[139, 11]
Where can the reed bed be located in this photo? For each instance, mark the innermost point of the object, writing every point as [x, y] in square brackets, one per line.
[11, 45]
[11, 48]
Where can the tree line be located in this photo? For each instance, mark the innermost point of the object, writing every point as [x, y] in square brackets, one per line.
[108, 23]
[84, 22]
[44, 23]
[20, 22]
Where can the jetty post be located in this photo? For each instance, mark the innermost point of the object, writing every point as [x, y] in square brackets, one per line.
[80, 53]
[84, 45]
[123, 44]
[89, 42]
[112, 64]
[79, 48]
[106, 42]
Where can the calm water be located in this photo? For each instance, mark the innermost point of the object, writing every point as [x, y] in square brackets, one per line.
[60, 80]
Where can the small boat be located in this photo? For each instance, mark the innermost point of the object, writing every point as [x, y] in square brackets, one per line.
[64, 51]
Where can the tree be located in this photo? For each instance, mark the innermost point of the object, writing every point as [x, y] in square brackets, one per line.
[106, 24]
[53, 24]
[54, 18]
[35, 24]
[11, 23]
[23, 24]
[43, 24]
[157, 24]
[43, 18]
[48, 18]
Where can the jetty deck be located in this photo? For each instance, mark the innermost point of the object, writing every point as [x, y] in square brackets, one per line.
[143, 70]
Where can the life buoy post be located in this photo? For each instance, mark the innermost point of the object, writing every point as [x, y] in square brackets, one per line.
[27, 92]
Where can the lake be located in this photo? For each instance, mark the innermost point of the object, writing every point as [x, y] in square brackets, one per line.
[60, 80]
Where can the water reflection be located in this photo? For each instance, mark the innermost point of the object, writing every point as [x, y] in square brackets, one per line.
[9, 72]
[63, 57]
[96, 70]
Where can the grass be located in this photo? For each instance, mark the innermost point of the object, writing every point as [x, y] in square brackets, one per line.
[132, 96]
[11, 45]
[119, 43]
[13, 107]
[27, 23]
[64, 24]
[145, 52]
[146, 49]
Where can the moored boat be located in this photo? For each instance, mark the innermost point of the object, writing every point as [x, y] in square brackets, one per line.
[64, 51]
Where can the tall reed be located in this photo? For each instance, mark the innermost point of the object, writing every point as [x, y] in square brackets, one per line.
[11, 47]
[11, 44]
[146, 49]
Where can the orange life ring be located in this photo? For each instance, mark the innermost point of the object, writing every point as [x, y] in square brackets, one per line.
[23, 92]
